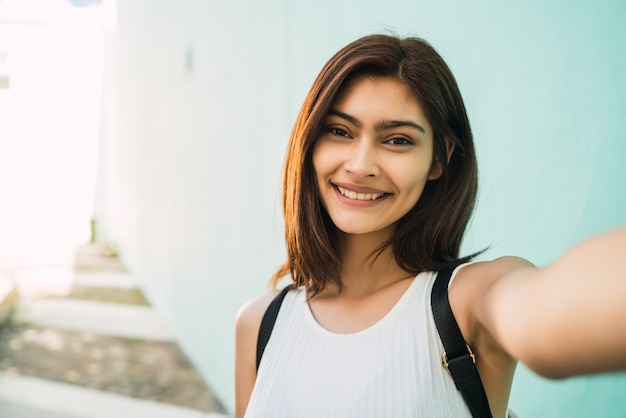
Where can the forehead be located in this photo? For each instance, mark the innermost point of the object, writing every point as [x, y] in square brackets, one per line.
[379, 97]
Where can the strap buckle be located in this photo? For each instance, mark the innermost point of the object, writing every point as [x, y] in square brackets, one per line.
[444, 358]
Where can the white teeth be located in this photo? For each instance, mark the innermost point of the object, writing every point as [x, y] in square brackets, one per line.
[359, 196]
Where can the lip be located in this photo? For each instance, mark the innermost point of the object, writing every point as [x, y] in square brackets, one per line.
[358, 189]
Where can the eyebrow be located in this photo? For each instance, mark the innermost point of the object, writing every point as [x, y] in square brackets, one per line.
[381, 126]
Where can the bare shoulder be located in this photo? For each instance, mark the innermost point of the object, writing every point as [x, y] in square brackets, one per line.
[246, 334]
[471, 283]
[250, 314]
[485, 272]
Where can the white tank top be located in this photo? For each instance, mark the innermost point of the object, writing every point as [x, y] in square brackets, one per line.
[391, 369]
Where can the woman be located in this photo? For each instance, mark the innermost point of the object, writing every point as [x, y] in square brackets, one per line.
[379, 185]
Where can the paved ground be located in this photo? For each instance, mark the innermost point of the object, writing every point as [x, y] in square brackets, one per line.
[152, 370]
[88, 333]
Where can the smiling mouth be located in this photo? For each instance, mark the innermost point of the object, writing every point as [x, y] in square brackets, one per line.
[359, 196]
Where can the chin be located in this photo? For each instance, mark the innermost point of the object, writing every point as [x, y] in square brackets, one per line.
[363, 230]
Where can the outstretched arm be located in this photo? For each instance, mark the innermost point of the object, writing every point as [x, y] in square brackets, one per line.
[568, 318]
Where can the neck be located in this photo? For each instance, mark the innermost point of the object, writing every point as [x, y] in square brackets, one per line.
[362, 272]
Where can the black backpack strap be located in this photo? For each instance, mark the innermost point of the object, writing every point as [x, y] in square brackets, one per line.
[267, 323]
[458, 358]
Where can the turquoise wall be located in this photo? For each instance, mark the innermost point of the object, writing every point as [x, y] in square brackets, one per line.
[200, 97]
[551, 139]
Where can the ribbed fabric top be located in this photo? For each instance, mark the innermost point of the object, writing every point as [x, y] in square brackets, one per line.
[391, 369]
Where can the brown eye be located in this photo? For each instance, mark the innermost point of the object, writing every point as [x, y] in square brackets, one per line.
[399, 141]
[338, 131]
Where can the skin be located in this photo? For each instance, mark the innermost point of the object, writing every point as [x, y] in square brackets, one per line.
[376, 140]
[505, 308]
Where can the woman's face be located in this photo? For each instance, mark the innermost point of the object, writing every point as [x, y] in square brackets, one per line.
[374, 155]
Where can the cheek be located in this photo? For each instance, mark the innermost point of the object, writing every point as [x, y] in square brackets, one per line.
[321, 159]
[318, 162]
[316, 158]
[412, 181]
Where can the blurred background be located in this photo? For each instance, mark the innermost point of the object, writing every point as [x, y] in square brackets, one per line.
[154, 131]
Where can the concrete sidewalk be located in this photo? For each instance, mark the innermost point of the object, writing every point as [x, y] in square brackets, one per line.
[76, 338]
[28, 397]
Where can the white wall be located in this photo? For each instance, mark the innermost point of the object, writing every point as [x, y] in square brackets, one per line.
[49, 130]
[199, 101]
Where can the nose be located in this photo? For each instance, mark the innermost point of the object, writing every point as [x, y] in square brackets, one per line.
[362, 160]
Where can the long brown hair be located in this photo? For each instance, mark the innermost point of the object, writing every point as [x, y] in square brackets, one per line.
[428, 237]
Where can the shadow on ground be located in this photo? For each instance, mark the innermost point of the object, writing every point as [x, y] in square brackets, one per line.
[153, 370]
